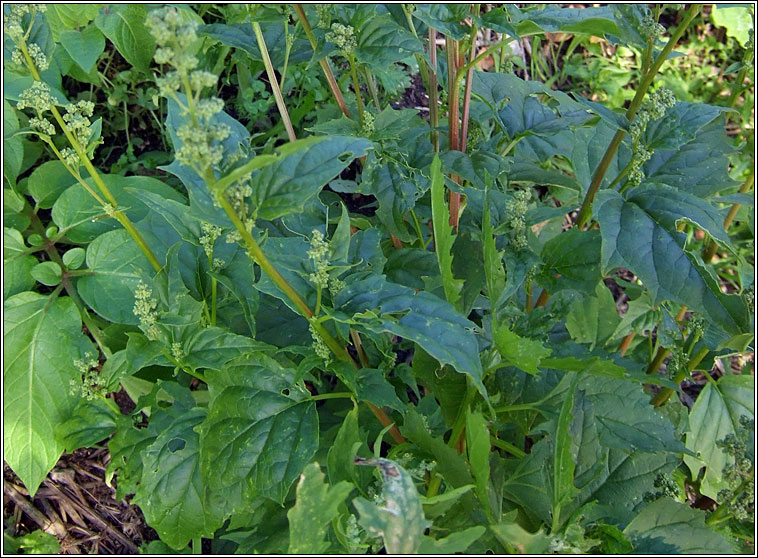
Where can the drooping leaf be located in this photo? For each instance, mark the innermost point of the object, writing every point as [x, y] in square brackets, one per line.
[42, 339]
[124, 25]
[575, 257]
[563, 461]
[84, 46]
[396, 190]
[316, 504]
[445, 18]
[669, 527]
[382, 41]
[453, 543]
[400, 521]
[13, 153]
[260, 431]
[715, 415]
[593, 319]
[173, 493]
[478, 450]
[116, 264]
[16, 267]
[443, 237]
[633, 239]
[48, 181]
[90, 423]
[523, 353]
[425, 319]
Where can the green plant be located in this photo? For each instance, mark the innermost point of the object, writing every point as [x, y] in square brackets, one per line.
[348, 328]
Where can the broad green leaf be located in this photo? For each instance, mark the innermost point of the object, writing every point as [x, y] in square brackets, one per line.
[668, 207]
[241, 36]
[669, 527]
[493, 258]
[13, 148]
[737, 20]
[474, 167]
[478, 450]
[36, 542]
[438, 505]
[515, 537]
[260, 431]
[698, 167]
[116, 264]
[563, 460]
[302, 169]
[316, 505]
[575, 256]
[382, 41]
[518, 112]
[409, 266]
[445, 18]
[76, 210]
[74, 258]
[69, 16]
[124, 25]
[633, 239]
[84, 47]
[680, 125]
[42, 340]
[16, 268]
[454, 543]
[593, 319]
[400, 521]
[48, 182]
[374, 387]
[173, 493]
[396, 189]
[339, 460]
[213, 347]
[443, 237]
[47, 273]
[598, 21]
[425, 319]
[175, 213]
[522, 352]
[715, 415]
[91, 422]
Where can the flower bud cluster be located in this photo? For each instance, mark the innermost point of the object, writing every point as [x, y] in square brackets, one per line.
[144, 308]
[37, 97]
[70, 157]
[739, 497]
[666, 487]
[208, 238]
[653, 108]
[516, 218]
[176, 351]
[368, 126]
[343, 36]
[650, 28]
[42, 125]
[318, 253]
[324, 13]
[319, 346]
[749, 46]
[77, 120]
[88, 386]
[750, 298]
[12, 20]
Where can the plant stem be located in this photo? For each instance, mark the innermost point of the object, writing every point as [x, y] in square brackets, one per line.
[334, 395]
[453, 99]
[357, 87]
[467, 91]
[434, 114]
[355, 336]
[586, 209]
[507, 446]
[273, 82]
[197, 545]
[665, 393]
[324, 62]
[625, 343]
[710, 249]
[371, 87]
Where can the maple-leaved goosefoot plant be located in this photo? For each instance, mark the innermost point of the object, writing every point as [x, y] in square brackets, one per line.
[349, 327]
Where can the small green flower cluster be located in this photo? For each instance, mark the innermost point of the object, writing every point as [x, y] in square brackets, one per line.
[368, 126]
[324, 13]
[677, 361]
[343, 36]
[13, 19]
[42, 125]
[77, 120]
[36, 97]
[739, 476]
[144, 309]
[176, 351]
[319, 346]
[516, 218]
[318, 252]
[651, 29]
[353, 532]
[199, 137]
[666, 487]
[747, 56]
[696, 326]
[653, 108]
[750, 298]
[88, 386]
[208, 238]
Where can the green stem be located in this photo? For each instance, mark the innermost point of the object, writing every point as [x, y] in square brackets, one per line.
[214, 292]
[507, 446]
[287, 49]
[722, 513]
[357, 87]
[434, 113]
[371, 87]
[324, 62]
[197, 545]
[460, 419]
[335, 395]
[519, 407]
[586, 209]
[666, 393]
[273, 82]
[710, 250]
